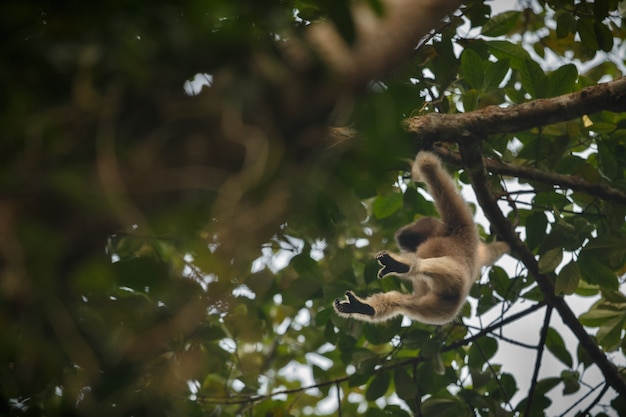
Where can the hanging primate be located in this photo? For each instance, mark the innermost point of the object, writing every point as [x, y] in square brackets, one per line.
[441, 257]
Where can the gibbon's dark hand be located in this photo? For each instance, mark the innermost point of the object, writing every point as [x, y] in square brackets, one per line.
[390, 265]
[353, 305]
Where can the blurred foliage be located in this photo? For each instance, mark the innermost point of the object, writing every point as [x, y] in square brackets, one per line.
[174, 249]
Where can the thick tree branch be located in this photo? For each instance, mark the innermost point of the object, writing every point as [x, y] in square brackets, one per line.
[572, 182]
[473, 162]
[609, 96]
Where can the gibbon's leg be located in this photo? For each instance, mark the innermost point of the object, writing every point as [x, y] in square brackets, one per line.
[412, 235]
[430, 308]
[488, 253]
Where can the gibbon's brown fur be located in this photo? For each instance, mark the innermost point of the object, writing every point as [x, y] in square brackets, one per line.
[441, 257]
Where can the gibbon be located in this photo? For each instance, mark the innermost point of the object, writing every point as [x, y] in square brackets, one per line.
[441, 257]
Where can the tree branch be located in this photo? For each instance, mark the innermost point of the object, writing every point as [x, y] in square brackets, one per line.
[605, 388]
[473, 162]
[572, 182]
[381, 42]
[540, 348]
[493, 119]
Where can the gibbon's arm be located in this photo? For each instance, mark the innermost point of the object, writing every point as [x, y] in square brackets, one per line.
[442, 261]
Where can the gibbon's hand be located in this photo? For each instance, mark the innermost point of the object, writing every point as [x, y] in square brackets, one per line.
[390, 265]
[353, 305]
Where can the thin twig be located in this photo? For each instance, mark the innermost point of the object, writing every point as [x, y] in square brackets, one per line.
[596, 401]
[584, 397]
[338, 388]
[569, 182]
[540, 348]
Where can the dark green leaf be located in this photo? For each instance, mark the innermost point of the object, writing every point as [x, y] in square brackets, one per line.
[550, 260]
[510, 51]
[472, 69]
[386, 205]
[570, 381]
[536, 225]
[501, 283]
[533, 79]
[556, 345]
[565, 24]
[378, 386]
[567, 279]
[561, 81]
[406, 388]
[481, 351]
[383, 333]
[501, 24]
[495, 73]
[594, 271]
[610, 332]
[546, 384]
[587, 32]
[604, 36]
[583, 356]
[444, 407]
[393, 410]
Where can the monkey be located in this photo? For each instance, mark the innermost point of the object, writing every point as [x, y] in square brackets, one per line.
[442, 257]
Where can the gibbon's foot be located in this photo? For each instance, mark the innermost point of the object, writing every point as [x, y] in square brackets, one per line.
[353, 305]
[390, 265]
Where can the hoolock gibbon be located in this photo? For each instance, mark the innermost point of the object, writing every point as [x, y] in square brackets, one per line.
[441, 257]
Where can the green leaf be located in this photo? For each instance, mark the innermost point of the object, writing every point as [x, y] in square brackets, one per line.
[393, 410]
[382, 333]
[561, 81]
[507, 50]
[583, 357]
[550, 260]
[472, 69]
[502, 284]
[570, 382]
[471, 100]
[386, 205]
[481, 351]
[567, 279]
[610, 332]
[587, 33]
[536, 224]
[546, 384]
[596, 316]
[533, 79]
[603, 36]
[406, 388]
[378, 386]
[610, 250]
[556, 345]
[565, 24]
[501, 24]
[444, 407]
[495, 72]
[594, 271]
